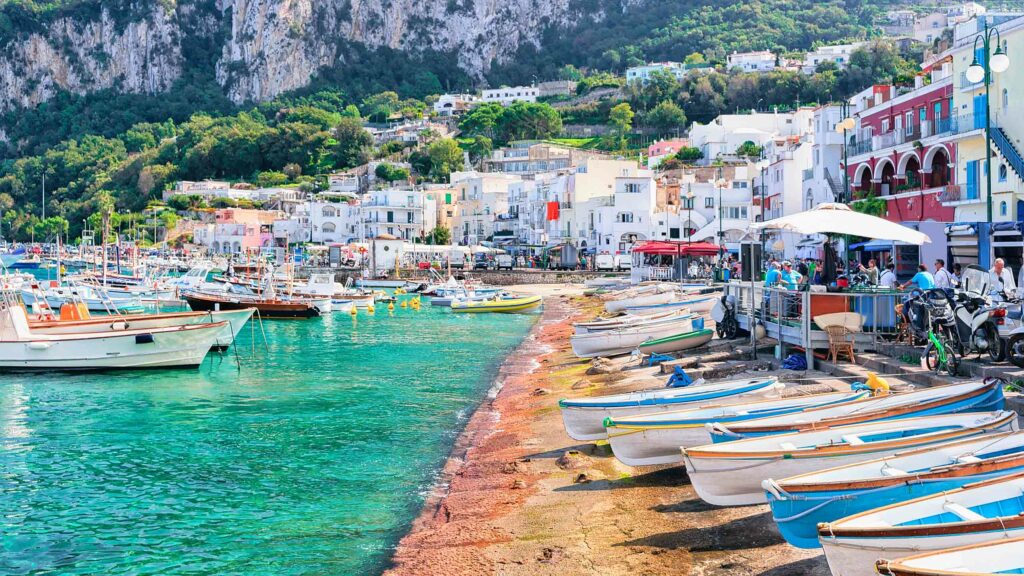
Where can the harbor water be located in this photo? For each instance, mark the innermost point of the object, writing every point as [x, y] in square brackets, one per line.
[312, 458]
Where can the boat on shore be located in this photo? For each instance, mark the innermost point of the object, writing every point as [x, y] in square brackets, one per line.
[584, 418]
[21, 349]
[974, 514]
[601, 325]
[731, 473]
[677, 343]
[699, 305]
[800, 503]
[626, 339]
[975, 396]
[1000, 556]
[652, 439]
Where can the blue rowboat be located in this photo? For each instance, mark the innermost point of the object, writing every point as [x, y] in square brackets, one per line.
[584, 417]
[978, 512]
[800, 503]
[975, 396]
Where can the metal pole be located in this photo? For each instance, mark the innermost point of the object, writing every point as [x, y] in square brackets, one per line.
[988, 128]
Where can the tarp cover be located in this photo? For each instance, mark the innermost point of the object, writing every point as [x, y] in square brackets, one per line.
[670, 248]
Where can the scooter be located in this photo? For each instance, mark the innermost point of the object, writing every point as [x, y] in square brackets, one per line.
[976, 318]
[724, 315]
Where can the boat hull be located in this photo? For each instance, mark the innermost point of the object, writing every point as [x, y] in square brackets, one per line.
[265, 309]
[181, 347]
[626, 340]
[235, 320]
[678, 343]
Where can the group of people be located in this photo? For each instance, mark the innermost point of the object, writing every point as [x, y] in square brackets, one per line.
[1001, 278]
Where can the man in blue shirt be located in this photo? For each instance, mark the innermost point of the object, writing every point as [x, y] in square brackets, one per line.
[790, 278]
[923, 279]
[773, 276]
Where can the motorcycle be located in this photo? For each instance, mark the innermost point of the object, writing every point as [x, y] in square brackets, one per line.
[1011, 330]
[930, 314]
[724, 315]
[976, 318]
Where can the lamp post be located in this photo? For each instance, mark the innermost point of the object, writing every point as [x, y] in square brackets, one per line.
[689, 213]
[982, 71]
[720, 184]
[845, 124]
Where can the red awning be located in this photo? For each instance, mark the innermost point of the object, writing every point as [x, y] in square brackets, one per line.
[670, 248]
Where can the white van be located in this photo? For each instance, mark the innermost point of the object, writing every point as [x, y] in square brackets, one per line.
[604, 262]
[503, 262]
[623, 261]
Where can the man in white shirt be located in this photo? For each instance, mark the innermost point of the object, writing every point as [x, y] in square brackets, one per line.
[888, 277]
[943, 278]
[1001, 278]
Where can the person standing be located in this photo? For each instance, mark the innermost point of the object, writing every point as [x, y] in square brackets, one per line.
[943, 278]
[888, 277]
[871, 272]
[1001, 278]
[790, 278]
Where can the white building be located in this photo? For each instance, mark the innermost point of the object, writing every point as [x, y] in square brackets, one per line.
[720, 138]
[345, 183]
[762, 61]
[839, 54]
[507, 95]
[707, 193]
[823, 181]
[784, 174]
[454, 104]
[404, 213]
[481, 201]
[628, 216]
[642, 74]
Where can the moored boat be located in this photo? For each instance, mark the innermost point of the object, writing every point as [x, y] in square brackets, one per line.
[976, 513]
[730, 473]
[800, 503]
[583, 418]
[266, 307]
[653, 439]
[696, 305]
[624, 321]
[503, 305]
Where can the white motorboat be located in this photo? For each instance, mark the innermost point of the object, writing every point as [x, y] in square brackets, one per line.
[584, 418]
[695, 304]
[171, 347]
[615, 306]
[976, 513]
[731, 473]
[652, 439]
[625, 321]
[234, 321]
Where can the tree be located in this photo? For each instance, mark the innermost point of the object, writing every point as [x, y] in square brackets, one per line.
[292, 171]
[440, 235]
[353, 143]
[379, 107]
[667, 115]
[694, 59]
[445, 158]
[528, 121]
[621, 120]
[482, 120]
[480, 147]
[179, 202]
[689, 154]
[390, 172]
[52, 227]
[748, 149]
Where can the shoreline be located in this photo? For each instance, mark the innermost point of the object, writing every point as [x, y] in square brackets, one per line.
[517, 496]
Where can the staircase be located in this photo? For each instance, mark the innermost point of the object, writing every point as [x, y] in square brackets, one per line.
[837, 189]
[1008, 150]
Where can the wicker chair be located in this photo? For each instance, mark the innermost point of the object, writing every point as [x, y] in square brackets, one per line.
[840, 342]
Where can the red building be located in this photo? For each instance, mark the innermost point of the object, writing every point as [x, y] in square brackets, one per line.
[904, 147]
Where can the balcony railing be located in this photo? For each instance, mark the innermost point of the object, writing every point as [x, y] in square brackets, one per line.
[950, 193]
[947, 125]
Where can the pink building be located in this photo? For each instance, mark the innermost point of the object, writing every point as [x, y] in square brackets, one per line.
[238, 230]
[904, 146]
[663, 149]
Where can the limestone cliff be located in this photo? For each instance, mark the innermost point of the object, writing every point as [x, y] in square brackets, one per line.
[261, 47]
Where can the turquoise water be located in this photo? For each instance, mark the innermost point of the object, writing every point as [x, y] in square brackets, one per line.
[312, 459]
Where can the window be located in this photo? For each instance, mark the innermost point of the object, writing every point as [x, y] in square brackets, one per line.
[625, 217]
[885, 125]
[1002, 208]
[673, 233]
[740, 185]
[632, 188]
[1006, 99]
[709, 202]
[908, 123]
[1002, 172]
[410, 217]
[687, 203]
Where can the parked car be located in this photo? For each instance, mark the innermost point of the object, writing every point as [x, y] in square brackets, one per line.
[503, 262]
[623, 262]
[605, 262]
[481, 263]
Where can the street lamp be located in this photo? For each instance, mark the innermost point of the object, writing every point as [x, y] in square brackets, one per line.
[720, 184]
[689, 213]
[982, 71]
[842, 127]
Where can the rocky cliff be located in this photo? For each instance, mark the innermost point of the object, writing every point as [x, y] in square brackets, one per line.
[261, 47]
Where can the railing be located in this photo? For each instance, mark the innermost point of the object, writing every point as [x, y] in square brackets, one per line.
[858, 148]
[655, 273]
[951, 193]
[788, 315]
[1008, 150]
[966, 123]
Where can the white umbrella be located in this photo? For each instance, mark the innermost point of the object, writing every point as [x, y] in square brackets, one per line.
[839, 219]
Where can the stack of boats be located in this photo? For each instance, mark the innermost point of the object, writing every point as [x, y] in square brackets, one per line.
[657, 318]
[924, 482]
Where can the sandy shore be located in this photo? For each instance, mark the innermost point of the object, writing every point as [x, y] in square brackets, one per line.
[514, 503]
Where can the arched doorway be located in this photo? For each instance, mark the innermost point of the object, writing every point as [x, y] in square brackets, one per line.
[863, 179]
[940, 168]
[886, 173]
[912, 172]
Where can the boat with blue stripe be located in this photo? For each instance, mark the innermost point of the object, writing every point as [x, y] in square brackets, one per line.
[800, 503]
[974, 396]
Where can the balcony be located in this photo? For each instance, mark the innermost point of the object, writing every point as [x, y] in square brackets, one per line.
[951, 193]
[807, 174]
